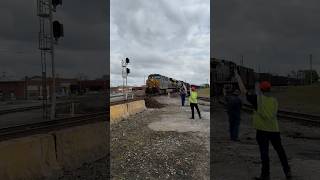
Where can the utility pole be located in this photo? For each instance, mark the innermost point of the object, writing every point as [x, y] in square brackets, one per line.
[310, 58]
[241, 60]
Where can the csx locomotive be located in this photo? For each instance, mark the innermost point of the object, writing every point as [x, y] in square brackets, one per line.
[159, 84]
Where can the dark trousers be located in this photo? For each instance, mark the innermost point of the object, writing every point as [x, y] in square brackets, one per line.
[263, 138]
[234, 123]
[195, 105]
[183, 98]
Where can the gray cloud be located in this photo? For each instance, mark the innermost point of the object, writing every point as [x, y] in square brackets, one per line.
[165, 37]
[82, 50]
[278, 36]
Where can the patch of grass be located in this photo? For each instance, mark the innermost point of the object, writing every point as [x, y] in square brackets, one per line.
[205, 92]
[299, 98]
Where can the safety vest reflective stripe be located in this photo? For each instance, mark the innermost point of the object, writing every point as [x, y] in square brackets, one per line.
[193, 97]
[265, 118]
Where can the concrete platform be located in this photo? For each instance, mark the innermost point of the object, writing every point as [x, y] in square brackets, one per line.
[122, 111]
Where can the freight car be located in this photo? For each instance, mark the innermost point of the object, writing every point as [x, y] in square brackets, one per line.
[277, 80]
[223, 75]
[159, 84]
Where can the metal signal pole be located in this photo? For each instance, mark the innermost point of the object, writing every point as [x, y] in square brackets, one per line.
[53, 100]
[123, 75]
[45, 46]
[242, 60]
[310, 58]
[45, 9]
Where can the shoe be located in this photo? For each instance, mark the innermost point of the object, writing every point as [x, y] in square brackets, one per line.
[289, 175]
[191, 118]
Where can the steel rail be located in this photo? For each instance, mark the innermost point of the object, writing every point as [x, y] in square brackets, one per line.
[310, 118]
[50, 125]
[28, 108]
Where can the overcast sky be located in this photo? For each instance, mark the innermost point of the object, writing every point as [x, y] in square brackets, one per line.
[167, 37]
[82, 50]
[277, 35]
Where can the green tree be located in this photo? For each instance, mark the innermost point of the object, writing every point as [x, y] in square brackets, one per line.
[308, 74]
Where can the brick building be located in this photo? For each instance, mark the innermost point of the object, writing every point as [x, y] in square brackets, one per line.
[31, 88]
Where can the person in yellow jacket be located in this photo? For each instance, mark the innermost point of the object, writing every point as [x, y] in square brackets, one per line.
[266, 124]
[193, 100]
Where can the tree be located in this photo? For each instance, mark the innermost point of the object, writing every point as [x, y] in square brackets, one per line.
[312, 73]
[306, 75]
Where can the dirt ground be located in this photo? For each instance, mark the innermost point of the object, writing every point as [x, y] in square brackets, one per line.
[241, 160]
[161, 144]
[98, 170]
[299, 98]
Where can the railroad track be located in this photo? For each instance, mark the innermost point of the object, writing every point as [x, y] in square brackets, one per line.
[28, 108]
[125, 101]
[296, 116]
[50, 125]
[20, 109]
[204, 99]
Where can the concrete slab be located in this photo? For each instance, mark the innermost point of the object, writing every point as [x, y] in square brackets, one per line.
[81, 144]
[31, 157]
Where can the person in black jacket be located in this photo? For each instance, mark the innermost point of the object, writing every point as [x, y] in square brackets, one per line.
[233, 105]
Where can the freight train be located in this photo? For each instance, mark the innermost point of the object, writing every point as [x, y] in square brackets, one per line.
[159, 84]
[223, 76]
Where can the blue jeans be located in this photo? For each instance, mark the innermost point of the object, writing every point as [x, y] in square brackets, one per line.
[183, 98]
[234, 123]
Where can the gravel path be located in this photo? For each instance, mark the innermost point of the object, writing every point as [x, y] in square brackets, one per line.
[139, 152]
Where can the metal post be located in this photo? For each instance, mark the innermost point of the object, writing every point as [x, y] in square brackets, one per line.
[122, 66]
[43, 10]
[310, 68]
[72, 109]
[53, 98]
[242, 60]
[127, 89]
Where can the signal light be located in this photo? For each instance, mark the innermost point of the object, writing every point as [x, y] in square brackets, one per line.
[55, 3]
[57, 30]
[128, 70]
[127, 60]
